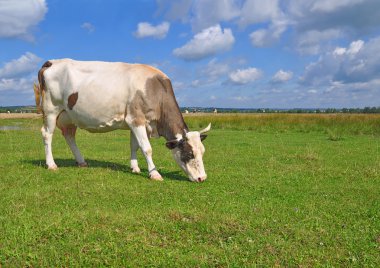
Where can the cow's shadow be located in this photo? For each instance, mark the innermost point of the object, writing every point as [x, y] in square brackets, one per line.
[92, 163]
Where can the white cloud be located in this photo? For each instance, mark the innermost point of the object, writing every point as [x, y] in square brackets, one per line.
[208, 42]
[355, 47]
[315, 24]
[245, 76]
[214, 70]
[88, 27]
[16, 84]
[311, 42]
[282, 76]
[178, 85]
[258, 11]
[329, 6]
[24, 65]
[266, 37]
[210, 73]
[241, 98]
[358, 63]
[19, 18]
[145, 29]
[196, 83]
[324, 14]
[207, 13]
[200, 14]
[312, 91]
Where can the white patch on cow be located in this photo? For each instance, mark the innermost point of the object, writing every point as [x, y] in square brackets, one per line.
[193, 168]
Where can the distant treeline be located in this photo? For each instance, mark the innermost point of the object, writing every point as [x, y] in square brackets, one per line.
[18, 109]
[365, 110]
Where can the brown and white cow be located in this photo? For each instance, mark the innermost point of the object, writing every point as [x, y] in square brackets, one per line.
[104, 96]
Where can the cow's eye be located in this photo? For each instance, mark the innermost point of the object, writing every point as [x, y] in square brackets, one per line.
[186, 156]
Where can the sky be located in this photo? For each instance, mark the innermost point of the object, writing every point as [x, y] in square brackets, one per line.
[218, 53]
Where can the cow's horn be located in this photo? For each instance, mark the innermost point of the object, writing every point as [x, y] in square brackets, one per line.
[205, 129]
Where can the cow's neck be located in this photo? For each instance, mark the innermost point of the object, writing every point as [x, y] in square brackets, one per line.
[171, 123]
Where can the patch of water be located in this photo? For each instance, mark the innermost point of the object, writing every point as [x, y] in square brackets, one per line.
[10, 128]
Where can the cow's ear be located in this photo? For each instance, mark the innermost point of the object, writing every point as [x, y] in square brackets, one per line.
[203, 136]
[172, 144]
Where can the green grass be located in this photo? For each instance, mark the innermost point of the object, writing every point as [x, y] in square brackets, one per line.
[292, 196]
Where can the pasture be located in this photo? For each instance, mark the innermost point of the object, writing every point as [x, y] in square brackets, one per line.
[282, 190]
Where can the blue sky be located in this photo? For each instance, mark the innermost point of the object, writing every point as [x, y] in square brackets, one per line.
[219, 53]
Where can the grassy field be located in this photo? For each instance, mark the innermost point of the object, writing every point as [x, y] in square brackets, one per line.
[282, 190]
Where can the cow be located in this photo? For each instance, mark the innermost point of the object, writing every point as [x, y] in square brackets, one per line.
[104, 96]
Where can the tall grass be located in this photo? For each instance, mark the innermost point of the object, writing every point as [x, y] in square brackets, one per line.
[349, 124]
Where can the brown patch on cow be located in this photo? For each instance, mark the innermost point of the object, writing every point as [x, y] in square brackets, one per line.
[139, 121]
[139, 109]
[72, 100]
[41, 78]
[186, 151]
[161, 100]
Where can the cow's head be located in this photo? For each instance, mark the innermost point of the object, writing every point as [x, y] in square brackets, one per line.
[188, 152]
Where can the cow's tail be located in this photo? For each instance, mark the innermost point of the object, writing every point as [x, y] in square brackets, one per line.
[38, 97]
[40, 88]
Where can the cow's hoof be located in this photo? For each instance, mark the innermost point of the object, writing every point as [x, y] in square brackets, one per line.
[135, 170]
[154, 175]
[83, 164]
[53, 167]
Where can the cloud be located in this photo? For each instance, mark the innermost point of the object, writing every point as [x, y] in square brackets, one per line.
[258, 11]
[145, 29]
[207, 13]
[19, 18]
[24, 65]
[208, 42]
[244, 76]
[358, 63]
[16, 84]
[88, 27]
[215, 69]
[330, 6]
[324, 14]
[282, 76]
[18, 76]
[312, 42]
[266, 37]
[311, 22]
[210, 73]
[200, 14]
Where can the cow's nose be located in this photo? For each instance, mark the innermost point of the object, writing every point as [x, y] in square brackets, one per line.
[200, 179]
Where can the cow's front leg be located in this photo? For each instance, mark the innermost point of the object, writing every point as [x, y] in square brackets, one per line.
[134, 147]
[143, 141]
[47, 136]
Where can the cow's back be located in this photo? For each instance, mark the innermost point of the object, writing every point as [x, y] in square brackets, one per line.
[96, 95]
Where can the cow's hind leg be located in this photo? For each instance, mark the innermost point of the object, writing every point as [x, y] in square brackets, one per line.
[146, 148]
[134, 147]
[68, 131]
[47, 136]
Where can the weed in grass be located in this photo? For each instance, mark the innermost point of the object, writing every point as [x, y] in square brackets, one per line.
[334, 134]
